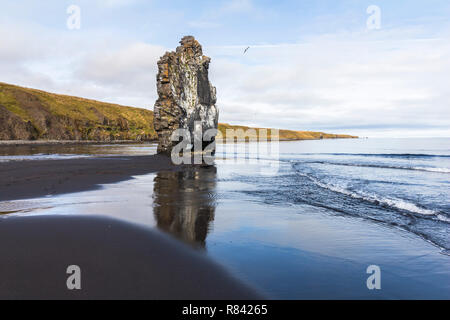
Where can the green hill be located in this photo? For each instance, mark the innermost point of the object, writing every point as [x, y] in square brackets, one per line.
[30, 114]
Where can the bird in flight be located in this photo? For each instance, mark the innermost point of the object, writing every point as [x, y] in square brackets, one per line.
[246, 49]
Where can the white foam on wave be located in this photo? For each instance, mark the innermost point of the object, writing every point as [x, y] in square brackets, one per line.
[391, 202]
[380, 166]
[440, 170]
[443, 218]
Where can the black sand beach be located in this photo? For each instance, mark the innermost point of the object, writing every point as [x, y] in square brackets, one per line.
[24, 179]
[118, 260]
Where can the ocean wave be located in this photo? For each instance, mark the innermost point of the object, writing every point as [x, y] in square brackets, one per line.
[385, 155]
[441, 170]
[395, 203]
[380, 166]
[443, 218]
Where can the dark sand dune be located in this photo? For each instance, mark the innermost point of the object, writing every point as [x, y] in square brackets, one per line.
[118, 260]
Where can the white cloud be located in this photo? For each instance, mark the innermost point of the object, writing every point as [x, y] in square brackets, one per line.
[127, 75]
[135, 60]
[370, 84]
[112, 70]
[351, 82]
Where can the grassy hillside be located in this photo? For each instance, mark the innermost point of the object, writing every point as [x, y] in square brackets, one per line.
[29, 114]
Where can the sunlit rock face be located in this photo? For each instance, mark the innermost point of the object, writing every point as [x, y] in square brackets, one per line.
[185, 95]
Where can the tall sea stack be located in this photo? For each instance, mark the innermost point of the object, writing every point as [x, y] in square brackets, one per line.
[186, 98]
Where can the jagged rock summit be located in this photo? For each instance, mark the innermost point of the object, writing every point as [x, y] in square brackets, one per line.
[185, 95]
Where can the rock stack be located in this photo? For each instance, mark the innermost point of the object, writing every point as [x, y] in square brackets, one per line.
[186, 98]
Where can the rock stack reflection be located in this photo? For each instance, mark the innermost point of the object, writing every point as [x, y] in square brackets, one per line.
[185, 202]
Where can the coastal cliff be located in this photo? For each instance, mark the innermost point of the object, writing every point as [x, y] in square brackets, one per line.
[186, 98]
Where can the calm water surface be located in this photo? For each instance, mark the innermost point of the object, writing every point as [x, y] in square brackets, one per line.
[304, 226]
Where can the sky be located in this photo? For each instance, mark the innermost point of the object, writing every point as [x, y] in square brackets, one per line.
[377, 68]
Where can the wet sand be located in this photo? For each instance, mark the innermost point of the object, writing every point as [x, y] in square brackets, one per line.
[32, 179]
[118, 260]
